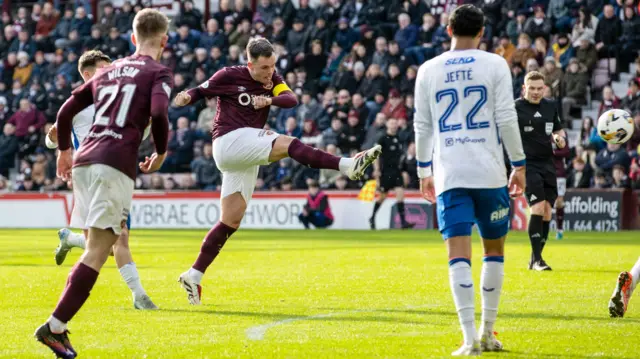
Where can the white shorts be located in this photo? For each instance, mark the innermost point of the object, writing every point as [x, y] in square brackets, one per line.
[102, 197]
[238, 155]
[562, 186]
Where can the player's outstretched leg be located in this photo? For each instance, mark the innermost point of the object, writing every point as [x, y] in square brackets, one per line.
[625, 285]
[354, 167]
[68, 240]
[129, 272]
[233, 208]
[491, 284]
[80, 281]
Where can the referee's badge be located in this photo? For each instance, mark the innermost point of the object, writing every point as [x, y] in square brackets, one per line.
[548, 128]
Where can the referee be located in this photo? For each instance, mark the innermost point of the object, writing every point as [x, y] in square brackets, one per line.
[388, 171]
[539, 124]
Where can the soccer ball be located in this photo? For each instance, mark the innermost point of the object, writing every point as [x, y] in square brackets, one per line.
[615, 126]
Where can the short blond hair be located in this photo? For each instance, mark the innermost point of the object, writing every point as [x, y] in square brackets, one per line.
[91, 58]
[533, 76]
[150, 23]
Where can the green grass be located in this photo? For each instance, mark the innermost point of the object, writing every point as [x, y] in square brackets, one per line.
[320, 294]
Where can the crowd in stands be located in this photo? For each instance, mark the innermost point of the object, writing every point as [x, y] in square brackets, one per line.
[352, 63]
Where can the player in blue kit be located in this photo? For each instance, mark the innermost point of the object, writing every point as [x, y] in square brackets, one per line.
[465, 113]
[88, 64]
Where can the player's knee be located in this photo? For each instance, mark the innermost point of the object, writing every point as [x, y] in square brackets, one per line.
[560, 202]
[280, 148]
[538, 209]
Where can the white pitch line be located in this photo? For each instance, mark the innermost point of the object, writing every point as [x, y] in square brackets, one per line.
[258, 332]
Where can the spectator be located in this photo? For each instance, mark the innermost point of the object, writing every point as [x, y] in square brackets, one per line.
[532, 65]
[24, 68]
[8, 149]
[204, 167]
[310, 134]
[124, 19]
[107, 20]
[291, 128]
[23, 43]
[586, 52]
[345, 36]
[394, 108]
[81, 22]
[204, 125]
[27, 120]
[612, 155]
[286, 10]
[331, 135]
[558, 12]
[242, 12]
[562, 51]
[240, 37]
[213, 37]
[524, 52]
[314, 62]
[579, 175]
[319, 32]
[609, 100]
[45, 28]
[115, 46]
[515, 27]
[316, 211]
[505, 48]
[585, 25]
[267, 12]
[407, 34]
[608, 33]
[190, 16]
[308, 108]
[552, 76]
[353, 135]
[427, 41]
[630, 40]
[358, 104]
[619, 178]
[63, 27]
[394, 80]
[27, 185]
[589, 134]
[633, 145]
[95, 41]
[156, 182]
[600, 181]
[373, 83]
[538, 25]
[631, 102]
[377, 129]
[5, 112]
[180, 148]
[634, 174]
[279, 32]
[328, 177]
[575, 87]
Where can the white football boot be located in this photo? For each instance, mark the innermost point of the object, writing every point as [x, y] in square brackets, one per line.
[363, 160]
[467, 350]
[489, 343]
[64, 247]
[194, 291]
[144, 303]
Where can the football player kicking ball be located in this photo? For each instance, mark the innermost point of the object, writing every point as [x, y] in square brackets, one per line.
[627, 282]
[104, 168]
[241, 145]
[88, 64]
[468, 181]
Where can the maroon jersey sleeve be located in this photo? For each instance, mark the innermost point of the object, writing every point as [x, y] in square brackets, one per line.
[81, 98]
[282, 95]
[160, 110]
[213, 87]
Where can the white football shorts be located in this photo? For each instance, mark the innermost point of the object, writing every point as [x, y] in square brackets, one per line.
[238, 155]
[102, 197]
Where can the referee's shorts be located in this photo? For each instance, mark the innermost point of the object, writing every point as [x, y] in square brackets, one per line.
[541, 182]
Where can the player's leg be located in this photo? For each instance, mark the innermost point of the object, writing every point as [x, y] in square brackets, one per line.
[382, 195]
[304, 219]
[492, 207]
[237, 189]
[129, 272]
[535, 197]
[546, 223]
[455, 219]
[354, 167]
[105, 192]
[625, 285]
[399, 192]
[559, 205]
[68, 240]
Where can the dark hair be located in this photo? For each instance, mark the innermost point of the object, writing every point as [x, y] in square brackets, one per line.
[259, 47]
[466, 21]
[91, 58]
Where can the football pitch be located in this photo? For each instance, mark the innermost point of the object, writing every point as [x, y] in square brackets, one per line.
[321, 294]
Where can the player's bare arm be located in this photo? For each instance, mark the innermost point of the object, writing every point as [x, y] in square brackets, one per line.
[52, 137]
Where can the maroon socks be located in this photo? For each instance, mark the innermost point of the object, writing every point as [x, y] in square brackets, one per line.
[212, 244]
[313, 157]
[79, 284]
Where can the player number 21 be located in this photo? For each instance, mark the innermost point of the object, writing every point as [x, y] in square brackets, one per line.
[453, 94]
[112, 91]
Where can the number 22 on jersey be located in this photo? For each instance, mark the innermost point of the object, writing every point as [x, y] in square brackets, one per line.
[469, 91]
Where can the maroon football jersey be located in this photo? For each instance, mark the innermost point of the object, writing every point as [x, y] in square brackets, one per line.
[559, 158]
[128, 94]
[236, 89]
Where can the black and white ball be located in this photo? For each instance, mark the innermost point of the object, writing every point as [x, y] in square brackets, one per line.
[615, 126]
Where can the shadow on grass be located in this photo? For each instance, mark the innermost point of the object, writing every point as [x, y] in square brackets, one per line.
[344, 316]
